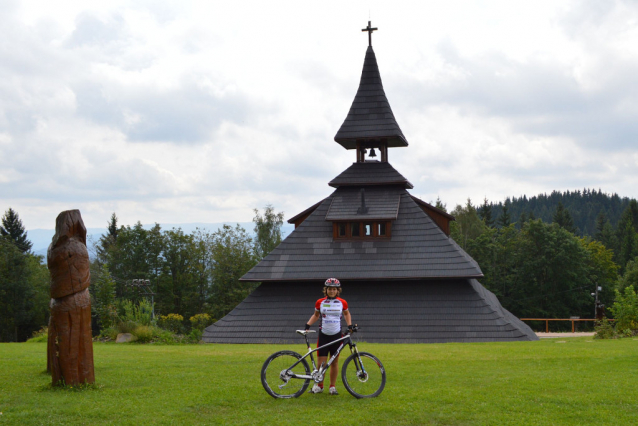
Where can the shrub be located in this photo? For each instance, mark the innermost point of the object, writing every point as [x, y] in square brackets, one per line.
[171, 322]
[604, 330]
[166, 337]
[625, 309]
[140, 314]
[42, 335]
[126, 326]
[109, 333]
[195, 336]
[201, 321]
[144, 333]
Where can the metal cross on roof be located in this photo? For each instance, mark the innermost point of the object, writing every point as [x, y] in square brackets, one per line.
[369, 29]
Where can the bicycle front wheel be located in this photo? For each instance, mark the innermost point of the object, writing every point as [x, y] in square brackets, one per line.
[363, 375]
[275, 375]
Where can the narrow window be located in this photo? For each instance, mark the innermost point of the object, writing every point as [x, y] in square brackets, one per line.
[367, 229]
[381, 229]
[354, 229]
[341, 229]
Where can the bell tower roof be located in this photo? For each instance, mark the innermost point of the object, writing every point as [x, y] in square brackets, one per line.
[370, 118]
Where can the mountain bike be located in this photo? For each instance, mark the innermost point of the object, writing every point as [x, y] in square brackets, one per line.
[286, 374]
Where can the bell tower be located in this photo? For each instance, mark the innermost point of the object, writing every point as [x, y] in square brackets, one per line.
[370, 127]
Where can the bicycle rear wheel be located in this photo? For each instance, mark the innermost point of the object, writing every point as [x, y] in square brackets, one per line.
[274, 376]
[363, 375]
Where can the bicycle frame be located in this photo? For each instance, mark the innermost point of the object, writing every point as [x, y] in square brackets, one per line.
[317, 373]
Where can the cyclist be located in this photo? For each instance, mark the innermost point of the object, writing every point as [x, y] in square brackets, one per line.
[330, 309]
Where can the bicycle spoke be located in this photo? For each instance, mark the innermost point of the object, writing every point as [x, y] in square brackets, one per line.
[276, 378]
[364, 382]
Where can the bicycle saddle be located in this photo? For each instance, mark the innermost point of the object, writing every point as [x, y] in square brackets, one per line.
[304, 332]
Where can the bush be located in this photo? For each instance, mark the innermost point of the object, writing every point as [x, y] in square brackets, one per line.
[201, 321]
[195, 336]
[109, 333]
[171, 322]
[126, 326]
[140, 314]
[42, 335]
[144, 333]
[625, 310]
[604, 330]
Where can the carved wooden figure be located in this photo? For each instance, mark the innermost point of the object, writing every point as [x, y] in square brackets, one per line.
[70, 346]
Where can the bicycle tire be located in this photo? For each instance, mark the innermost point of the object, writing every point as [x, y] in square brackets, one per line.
[360, 386]
[271, 375]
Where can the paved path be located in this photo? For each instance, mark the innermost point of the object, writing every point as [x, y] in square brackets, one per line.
[554, 335]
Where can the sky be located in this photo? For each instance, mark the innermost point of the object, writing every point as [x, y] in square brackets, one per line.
[184, 112]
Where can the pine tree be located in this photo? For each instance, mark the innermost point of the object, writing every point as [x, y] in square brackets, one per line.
[600, 226]
[563, 219]
[13, 228]
[628, 245]
[504, 219]
[107, 241]
[485, 213]
[112, 226]
[522, 220]
[440, 205]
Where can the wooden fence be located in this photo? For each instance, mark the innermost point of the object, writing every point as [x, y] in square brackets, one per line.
[547, 320]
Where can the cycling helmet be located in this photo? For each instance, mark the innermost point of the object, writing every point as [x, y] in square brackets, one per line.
[332, 282]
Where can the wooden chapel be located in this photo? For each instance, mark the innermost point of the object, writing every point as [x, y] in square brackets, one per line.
[405, 279]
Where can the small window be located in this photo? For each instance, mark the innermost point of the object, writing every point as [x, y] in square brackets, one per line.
[354, 229]
[367, 229]
[381, 229]
[341, 229]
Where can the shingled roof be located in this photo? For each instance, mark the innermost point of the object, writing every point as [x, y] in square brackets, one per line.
[370, 116]
[418, 249]
[412, 285]
[421, 311]
[381, 203]
[370, 173]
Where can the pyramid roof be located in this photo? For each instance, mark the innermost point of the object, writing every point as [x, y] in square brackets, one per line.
[370, 116]
[415, 311]
[370, 173]
[418, 248]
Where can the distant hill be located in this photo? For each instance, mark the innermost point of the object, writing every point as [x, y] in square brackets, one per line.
[41, 238]
[584, 207]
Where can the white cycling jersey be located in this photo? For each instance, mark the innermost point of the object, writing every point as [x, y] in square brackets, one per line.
[331, 311]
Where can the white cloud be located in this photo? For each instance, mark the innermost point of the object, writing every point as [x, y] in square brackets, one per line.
[201, 111]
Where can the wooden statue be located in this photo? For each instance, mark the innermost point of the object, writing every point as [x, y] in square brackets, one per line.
[70, 346]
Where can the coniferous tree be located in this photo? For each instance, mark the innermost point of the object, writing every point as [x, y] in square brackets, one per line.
[112, 226]
[12, 227]
[485, 213]
[440, 205]
[504, 219]
[107, 241]
[628, 245]
[563, 219]
[600, 226]
[522, 220]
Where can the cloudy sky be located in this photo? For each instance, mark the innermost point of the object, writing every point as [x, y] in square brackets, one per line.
[179, 112]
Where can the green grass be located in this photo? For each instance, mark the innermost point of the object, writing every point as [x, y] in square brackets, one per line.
[572, 381]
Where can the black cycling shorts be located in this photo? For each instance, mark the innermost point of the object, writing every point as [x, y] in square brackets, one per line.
[324, 339]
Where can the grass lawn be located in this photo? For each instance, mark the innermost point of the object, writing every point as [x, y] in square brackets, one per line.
[571, 381]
